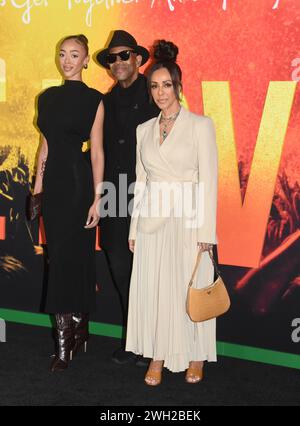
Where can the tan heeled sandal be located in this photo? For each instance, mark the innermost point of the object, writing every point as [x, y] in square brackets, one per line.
[153, 376]
[194, 375]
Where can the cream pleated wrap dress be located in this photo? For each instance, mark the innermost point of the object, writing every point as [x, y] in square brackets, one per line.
[175, 207]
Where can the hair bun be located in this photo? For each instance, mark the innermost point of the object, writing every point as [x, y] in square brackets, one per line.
[165, 51]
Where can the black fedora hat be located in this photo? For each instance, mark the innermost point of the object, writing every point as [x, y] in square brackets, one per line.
[122, 38]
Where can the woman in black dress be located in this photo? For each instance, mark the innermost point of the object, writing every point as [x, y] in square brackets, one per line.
[68, 115]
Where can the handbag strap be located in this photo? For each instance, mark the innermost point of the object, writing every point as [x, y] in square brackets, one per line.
[198, 262]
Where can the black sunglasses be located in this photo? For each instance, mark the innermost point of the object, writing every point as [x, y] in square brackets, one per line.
[124, 55]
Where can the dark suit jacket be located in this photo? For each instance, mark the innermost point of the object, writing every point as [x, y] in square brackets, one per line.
[125, 109]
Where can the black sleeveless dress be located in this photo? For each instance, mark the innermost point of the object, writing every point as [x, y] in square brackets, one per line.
[65, 117]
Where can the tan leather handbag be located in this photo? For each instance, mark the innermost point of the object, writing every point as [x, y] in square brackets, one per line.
[209, 302]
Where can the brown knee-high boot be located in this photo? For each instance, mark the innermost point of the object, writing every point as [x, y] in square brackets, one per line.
[64, 342]
[81, 331]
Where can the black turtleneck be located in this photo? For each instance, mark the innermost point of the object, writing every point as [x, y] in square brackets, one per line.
[125, 109]
[128, 98]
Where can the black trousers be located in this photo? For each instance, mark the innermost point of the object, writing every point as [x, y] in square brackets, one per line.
[114, 242]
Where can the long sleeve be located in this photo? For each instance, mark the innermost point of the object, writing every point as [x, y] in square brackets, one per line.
[140, 184]
[208, 176]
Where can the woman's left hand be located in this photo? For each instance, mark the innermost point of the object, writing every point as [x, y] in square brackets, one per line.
[93, 217]
[205, 246]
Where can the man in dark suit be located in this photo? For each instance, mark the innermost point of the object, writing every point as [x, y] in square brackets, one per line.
[126, 106]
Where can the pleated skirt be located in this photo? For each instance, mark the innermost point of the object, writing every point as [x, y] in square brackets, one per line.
[158, 326]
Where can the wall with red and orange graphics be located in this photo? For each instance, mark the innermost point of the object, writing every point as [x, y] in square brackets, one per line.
[241, 66]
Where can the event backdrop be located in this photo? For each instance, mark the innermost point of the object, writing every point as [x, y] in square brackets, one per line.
[241, 63]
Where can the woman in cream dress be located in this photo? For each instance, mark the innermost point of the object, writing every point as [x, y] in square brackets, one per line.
[176, 150]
